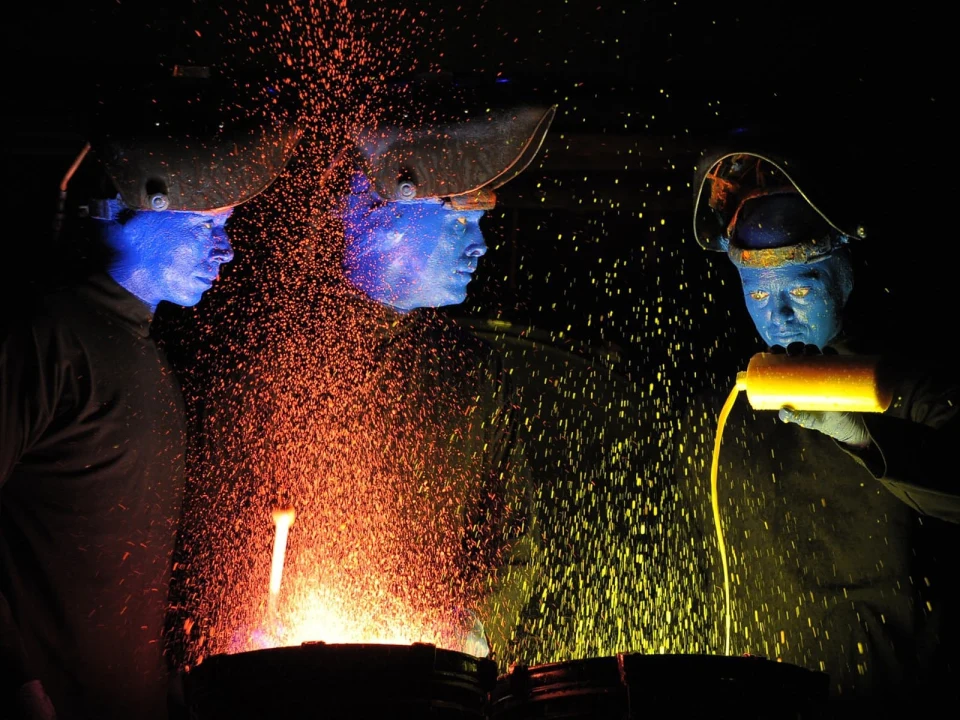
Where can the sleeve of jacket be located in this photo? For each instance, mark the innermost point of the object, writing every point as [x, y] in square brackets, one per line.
[913, 445]
[28, 395]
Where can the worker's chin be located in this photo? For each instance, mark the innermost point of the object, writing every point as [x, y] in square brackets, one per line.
[432, 300]
[186, 299]
[454, 296]
[786, 337]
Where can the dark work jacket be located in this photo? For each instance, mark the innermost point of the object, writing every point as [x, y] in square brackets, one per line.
[91, 469]
[913, 445]
[829, 569]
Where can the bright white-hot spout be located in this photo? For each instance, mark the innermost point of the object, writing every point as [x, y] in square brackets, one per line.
[282, 519]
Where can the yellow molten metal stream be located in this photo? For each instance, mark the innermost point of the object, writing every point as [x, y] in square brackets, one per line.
[715, 502]
[815, 383]
[282, 519]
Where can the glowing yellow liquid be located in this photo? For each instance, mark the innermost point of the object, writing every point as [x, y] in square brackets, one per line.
[715, 502]
[282, 518]
[819, 383]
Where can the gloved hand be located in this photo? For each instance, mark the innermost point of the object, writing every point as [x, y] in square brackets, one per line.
[34, 703]
[845, 427]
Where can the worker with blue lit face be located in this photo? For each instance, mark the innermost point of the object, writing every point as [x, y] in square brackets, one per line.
[93, 434]
[820, 508]
[383, 392]
[172, 256]
[411, 254]
[795, 295]
[796, 270]
[412, 217]
[412, 242]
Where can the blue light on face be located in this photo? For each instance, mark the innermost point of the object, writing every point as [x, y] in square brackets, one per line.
[796, 303]
[412, 254]
[172, 256]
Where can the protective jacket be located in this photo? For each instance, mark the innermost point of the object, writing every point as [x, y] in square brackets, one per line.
[91, 469]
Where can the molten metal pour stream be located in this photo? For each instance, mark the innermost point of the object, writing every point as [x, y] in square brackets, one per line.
[715, 502]
[282, 519]
[817, 383]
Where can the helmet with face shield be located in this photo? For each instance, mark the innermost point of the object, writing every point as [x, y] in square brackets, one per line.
[420, 179]
[462, 163]
[786, 225]
[765, 208]
[186, 143]
[436, 139]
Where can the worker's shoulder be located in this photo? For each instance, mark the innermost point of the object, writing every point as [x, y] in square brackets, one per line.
[42, 313]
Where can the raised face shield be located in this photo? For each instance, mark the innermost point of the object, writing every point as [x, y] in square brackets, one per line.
[193, 174]
[795, 279]
[749, 206]
[462, 164]
[174, 167]
[171, 145]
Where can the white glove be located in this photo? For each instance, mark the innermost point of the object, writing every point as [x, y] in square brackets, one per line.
[845, 427]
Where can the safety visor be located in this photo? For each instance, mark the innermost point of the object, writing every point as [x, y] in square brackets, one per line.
[463, 164]
[725, 183]
[196, 174]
